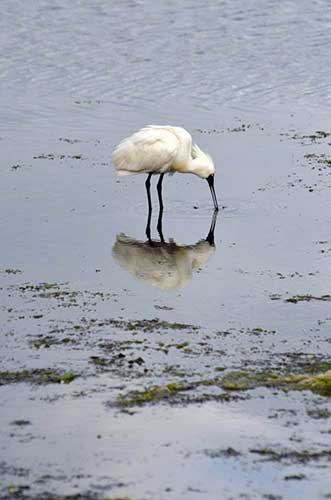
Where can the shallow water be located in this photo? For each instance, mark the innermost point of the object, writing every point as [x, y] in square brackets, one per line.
[80, 287]
[241, 54]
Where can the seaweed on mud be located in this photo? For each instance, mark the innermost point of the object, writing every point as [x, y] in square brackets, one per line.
[63, 296]
[12, 470]
[18, 491]
[172, 393]
[293, 456]
[138, 326]
[38, 376]
[243, 127]
[308, 298]
[51, 291]
[313, 136]
[294, 477]
[222, 453]
[302, 363]
[11, 271]
[20, 422]
[151, 394]
[150, 325]
[99, 361]
[319, 383]
[69, 141]
[176, 393]
[319, 413]
[51, 156]
[48, 341]
[318, 160]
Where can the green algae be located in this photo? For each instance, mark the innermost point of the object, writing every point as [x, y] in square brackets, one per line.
[64, 296]
[150, 325]
[38, 376]
[99, 361]
[151, 394]
[48, 341]
[181, 345]
[171, 393]
[313, 136]
[319, 383]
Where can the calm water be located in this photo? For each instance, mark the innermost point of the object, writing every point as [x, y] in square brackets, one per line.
[75, 78]
[244, 54]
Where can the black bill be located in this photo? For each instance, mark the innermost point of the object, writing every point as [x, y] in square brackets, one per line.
[210, 181]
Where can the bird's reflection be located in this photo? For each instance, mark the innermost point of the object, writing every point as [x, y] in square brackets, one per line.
[166, 266]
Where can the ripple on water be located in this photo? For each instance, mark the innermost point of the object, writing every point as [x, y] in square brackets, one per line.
[188, 210]
[240, 53]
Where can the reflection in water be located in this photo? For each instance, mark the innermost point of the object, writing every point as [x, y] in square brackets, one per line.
[166, 266]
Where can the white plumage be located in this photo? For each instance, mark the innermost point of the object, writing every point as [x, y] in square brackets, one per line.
[151, 149]
[158, 149]
[165, 266]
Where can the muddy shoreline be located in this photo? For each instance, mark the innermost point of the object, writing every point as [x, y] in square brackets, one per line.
[114, 387]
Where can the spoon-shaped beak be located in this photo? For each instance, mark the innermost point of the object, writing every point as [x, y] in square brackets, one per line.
[210, 181]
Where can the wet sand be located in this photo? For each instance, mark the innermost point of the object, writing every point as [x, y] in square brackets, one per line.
[177, 370]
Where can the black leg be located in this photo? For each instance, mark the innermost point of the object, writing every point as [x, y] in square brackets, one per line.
[159, 191]
[159, 222]
[159, 225]
[148, 189]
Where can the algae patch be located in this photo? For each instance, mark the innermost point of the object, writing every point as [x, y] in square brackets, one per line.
[151, 394]
[18, 491]
[308, 298]
[220, 453]
[319, 383]
[36, 376]
[48, 341]
[150, 325]
[292, 456]
[312, 136]
[173, 393]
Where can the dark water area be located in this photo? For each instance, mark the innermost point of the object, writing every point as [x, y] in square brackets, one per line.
[194, 368]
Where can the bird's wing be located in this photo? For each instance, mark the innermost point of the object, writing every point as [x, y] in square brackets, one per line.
[151, 149]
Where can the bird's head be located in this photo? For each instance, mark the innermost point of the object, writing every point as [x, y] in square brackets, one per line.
[204, 168]
[203, 162]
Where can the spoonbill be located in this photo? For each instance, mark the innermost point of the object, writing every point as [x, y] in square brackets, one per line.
[158, 149]
[166, 266]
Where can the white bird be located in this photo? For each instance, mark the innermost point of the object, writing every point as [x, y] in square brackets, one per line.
[166, 266]
[157, 149]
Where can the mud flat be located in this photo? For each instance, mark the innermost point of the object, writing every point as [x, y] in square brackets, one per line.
[184, 370]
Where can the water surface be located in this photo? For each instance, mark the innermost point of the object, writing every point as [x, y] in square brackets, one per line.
[83, 292]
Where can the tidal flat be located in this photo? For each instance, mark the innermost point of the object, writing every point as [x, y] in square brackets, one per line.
[198, 368]
[137, 371]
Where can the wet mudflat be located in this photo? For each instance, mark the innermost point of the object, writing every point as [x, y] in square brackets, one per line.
[181, 369]
[194, 368]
